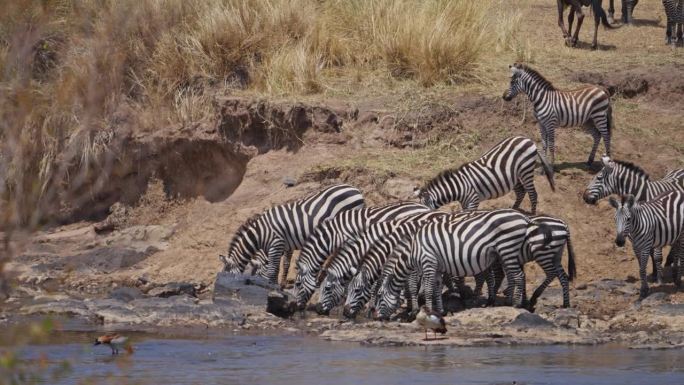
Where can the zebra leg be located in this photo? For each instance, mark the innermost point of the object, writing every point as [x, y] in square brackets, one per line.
[516, 278]
[657, 259]
[643, 261]
[596, 135]
[571, 19]
[680, 26]
[668, 31]
[539, 290]
[413, 290]
[527, 182]
[491, 289]
[275, 252]
[479, 282]
[429, 287]
[678, 261]
[519, 195]
[286, 268]
[439, 304]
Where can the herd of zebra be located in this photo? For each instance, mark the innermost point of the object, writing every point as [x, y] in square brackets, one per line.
[361, 256]
[674, 12]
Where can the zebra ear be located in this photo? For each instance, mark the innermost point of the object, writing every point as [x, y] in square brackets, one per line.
[613, 202]
[416, 191]
[605, 159]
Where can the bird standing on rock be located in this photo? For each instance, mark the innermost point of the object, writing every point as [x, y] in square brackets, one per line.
[429, 319]
[115, 342]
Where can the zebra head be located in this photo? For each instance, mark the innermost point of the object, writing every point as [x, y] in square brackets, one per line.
[426, 197]
[388, 300]
[243, 248]
[603, 183]
[516, 84]
[358, 293]
[332, 291]
[623, 216]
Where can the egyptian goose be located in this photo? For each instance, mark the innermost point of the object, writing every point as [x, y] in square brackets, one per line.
[429, 319]
[115, 342]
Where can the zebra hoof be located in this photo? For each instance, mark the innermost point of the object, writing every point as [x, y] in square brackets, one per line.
[643, 293]
[594, 47]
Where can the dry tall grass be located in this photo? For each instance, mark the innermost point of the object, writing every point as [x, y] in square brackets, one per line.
[75, 73]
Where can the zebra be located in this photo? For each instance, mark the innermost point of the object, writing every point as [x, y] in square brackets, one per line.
[674, 10]
[380, 260]
[627, 10]
[654, 224]
[576, 8]
[588, 106]
[331, 234]
[464, 248]
[343, 265]
[283, 228]
[548, 257]
[507, 166]
[620, 177]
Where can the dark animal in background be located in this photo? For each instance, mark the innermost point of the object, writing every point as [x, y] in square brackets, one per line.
[576, 9]
[627, 10]
[674, 10]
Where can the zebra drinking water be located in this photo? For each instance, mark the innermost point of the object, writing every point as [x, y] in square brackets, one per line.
[331, 234]
[507, 166]
[364, 284]
[283, 228]
[464, 248]
[344, 264]
[654, 224]
[674, 10]
[588, 106]
[619, 177]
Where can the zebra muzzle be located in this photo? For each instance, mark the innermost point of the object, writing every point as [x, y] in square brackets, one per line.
[321, 310]
[620, 240]
[589, 198]
[348, 313]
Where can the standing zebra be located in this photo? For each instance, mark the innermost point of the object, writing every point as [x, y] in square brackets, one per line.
[331, 234]
[378, 261]
[464, 248]
[344, 264]
[655, 224]
[619, 177]
[588, 106]
[283, 228]
[627, 10]
[674, 10]
[507, 166]
[576, 8]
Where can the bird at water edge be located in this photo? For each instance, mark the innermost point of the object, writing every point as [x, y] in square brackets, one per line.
[115, 342]
[429, 319]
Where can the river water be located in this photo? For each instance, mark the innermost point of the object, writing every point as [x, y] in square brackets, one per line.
[298, 360]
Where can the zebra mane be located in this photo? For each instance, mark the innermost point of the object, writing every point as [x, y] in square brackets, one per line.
[443, 174]
[250, 221]
[632, 167]
[537, 77]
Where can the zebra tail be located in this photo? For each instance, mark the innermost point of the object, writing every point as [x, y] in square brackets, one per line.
[544, 229]
[600, 14]
[610, 119]
[548, 170]
[572, 269]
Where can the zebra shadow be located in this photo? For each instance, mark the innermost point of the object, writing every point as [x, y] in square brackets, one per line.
[585, 45]
[643, 23]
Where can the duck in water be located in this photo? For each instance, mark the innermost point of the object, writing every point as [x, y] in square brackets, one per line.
[429, 319]
[115, 342]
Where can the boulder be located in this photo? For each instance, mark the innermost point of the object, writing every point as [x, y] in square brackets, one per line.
[568, 318]
[172, 289]
[125, 294]
[279, 304]
[250, 290]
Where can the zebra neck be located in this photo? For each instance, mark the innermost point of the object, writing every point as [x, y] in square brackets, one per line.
[537, 92]
[634, 184]
[457, 190]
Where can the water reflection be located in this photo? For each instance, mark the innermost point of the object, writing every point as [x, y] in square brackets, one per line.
[301, 361]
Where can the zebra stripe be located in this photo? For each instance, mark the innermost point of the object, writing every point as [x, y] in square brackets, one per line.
[507, 166]
[464, 248]
[651, 225]
[344, 264]
[380, 260]
[588, 106]
[331, 234]
[285, 227]
[674, 10]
